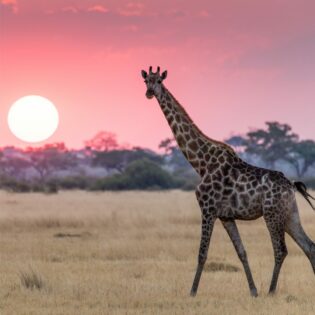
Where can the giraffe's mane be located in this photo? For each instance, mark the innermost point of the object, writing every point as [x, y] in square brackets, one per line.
[216, 142]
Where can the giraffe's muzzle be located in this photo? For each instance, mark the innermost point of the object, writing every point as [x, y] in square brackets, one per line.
[150, 93]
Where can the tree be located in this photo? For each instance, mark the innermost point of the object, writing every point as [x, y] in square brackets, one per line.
[277, 142]
[237, 142]
[168, 145]
[102, 141]
[13, 166]
[174, 155]
[305, 151]
[52, 157]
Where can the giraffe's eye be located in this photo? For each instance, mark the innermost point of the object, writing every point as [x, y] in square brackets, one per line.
[159, 81]
[145, 81]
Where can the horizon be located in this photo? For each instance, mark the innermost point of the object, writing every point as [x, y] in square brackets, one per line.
[27, 146]
[233, 66]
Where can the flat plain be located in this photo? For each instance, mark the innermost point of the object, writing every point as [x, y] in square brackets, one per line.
[136, 253]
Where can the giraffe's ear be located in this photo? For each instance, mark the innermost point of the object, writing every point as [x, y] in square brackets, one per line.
[144, 74]
[164, 75]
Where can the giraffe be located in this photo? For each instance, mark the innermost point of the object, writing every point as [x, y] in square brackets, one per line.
[231, 189]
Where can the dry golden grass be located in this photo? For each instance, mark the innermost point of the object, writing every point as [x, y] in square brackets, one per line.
[135, 253]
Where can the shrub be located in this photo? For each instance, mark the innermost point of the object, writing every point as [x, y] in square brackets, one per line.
[14, 185]
[74, 182]
[187, 179]
[115, 182]
[139, 174]
[144, 174]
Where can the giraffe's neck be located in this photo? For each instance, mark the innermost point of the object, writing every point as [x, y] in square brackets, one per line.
[195, 145]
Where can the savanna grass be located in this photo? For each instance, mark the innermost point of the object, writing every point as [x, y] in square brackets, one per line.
[136, 253]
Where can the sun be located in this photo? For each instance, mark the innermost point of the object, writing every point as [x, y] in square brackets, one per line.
[33, 118]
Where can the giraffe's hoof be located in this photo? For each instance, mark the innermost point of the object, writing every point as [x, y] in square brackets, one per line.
[254, 293]
[193, 293]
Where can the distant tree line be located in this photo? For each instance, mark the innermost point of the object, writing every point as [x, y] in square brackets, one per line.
[104, 164]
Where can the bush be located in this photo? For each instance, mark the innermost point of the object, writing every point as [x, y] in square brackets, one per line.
[143, 174]
[120, 159]
[74, 182]
[51, 187]
[139, 174]
[14, 185]
[115, 182]
[186, 178]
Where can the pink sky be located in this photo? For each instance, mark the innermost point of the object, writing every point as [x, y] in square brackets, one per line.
[233, 64]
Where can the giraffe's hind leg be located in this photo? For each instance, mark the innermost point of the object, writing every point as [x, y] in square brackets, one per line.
[231, 228]
[295, 230]
[275, 224]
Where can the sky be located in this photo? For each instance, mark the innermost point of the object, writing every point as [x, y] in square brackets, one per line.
[233, 64]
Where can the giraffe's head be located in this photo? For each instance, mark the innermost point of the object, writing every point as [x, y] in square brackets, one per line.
[153, 82]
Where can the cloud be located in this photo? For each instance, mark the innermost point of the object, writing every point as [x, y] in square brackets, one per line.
[75, 10]
[132, 9]
[98, 8]
[229, 38]
[10, 3]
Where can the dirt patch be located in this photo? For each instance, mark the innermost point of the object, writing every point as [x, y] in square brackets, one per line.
[62, 234]
[215, 266]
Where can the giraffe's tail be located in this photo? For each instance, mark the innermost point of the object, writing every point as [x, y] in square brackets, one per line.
[302, 189]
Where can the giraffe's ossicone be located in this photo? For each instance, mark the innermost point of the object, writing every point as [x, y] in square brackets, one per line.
[232, 189]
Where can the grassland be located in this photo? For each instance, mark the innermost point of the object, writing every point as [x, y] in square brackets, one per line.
[135, 253]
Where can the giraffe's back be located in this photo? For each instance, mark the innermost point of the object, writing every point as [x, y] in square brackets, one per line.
[239, 190]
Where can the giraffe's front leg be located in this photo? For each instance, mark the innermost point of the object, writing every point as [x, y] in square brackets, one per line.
[208, 219]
